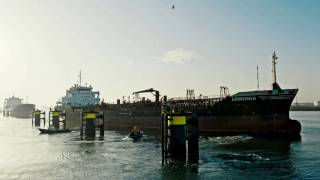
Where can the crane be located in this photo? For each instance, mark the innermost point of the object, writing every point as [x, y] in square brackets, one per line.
[151, 90]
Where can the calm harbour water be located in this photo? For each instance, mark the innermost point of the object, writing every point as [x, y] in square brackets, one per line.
[25, 154]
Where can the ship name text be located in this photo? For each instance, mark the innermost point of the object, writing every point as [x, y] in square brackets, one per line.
[250, 98]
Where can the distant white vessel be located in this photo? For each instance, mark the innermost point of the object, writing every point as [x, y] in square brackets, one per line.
[80, 96]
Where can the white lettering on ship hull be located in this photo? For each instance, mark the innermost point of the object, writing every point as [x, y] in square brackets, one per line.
[243, 98]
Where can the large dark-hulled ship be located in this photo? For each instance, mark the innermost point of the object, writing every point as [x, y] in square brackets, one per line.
[14, 106]
[262, 112]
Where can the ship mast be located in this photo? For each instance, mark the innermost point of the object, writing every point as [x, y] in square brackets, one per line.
[258, 78]
[275, 85]
[80, 78]
[274, 71]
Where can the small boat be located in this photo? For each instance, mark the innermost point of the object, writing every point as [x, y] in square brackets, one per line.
[136, 133]
[53, 131]
[136, 136]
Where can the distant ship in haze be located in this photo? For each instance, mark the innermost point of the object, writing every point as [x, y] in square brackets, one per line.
[14, 106]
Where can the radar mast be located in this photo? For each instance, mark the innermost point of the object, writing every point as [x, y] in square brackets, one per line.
[80, 78]
[275, 85]
[274, 71]
[258, 84]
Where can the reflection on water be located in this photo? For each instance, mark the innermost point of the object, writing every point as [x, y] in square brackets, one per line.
[261, 157]
[24, 154]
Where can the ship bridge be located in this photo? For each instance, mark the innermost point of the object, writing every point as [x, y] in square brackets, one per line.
[80, 96]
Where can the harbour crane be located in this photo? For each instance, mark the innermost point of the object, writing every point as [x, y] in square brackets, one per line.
[151, 90]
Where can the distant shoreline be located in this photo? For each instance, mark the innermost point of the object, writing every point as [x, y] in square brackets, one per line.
[305, 108]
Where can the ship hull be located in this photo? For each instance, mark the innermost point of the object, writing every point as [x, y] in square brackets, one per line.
[217, 125]
[23, 111]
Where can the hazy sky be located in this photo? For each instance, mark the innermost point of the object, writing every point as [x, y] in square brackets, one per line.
[124, 45]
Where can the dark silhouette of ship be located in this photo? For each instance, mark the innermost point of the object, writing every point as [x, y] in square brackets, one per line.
[261, 112]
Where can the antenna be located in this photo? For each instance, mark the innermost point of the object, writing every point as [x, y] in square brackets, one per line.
[258, 78]
[80, 78]
[274, 71]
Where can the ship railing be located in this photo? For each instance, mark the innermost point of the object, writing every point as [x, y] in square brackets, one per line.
[196, 98]
[184, 102]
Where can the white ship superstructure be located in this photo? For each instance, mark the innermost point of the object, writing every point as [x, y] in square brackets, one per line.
[80, 96]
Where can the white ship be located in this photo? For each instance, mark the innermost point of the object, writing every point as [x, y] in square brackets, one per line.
[79, 96]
